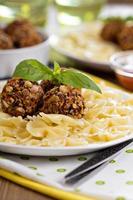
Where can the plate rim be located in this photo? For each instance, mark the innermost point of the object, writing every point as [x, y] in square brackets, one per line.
[82, 147]
[89, 147]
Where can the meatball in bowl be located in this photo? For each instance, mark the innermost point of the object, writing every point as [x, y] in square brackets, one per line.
[21, 40]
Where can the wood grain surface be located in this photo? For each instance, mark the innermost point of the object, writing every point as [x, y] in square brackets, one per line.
[11, 191]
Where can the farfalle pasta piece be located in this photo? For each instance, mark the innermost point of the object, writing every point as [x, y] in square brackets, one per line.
[37, 127]
[11, 126]
[59, 119]
[107, 117]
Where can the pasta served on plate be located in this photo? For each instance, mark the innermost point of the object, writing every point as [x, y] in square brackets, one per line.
[107, 117]
[87, 44]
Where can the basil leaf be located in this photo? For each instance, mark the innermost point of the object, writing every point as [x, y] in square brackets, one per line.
[33, 70]
[77, 80]
[57, 68]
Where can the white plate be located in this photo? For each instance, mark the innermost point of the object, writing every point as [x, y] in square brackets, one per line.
[58, 151]
[82, 63]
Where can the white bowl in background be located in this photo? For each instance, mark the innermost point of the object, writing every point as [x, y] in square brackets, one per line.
[122, 64]
[11, 57]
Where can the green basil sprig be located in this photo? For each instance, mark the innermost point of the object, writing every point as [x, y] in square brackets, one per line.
[34, 70]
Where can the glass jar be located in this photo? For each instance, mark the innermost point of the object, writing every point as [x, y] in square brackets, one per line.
[74, 12]
[122, 64]
[34, 10]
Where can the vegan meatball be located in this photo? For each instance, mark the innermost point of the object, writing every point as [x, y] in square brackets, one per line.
[111, 30]
[47, 85]
[9, 29]
[21, 97]
[125, 38]
[5, 41]
[23, 33]
[64, 100]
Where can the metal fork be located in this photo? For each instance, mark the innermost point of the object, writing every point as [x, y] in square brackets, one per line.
[99, 159]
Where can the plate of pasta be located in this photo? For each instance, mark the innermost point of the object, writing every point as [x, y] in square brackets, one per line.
[92, 44]
[107, 119]
[85, 47]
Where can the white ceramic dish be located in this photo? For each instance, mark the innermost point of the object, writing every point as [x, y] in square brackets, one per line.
[89, 42]
[58, 151]
[10, 58]
[84, 64]
[123, 61]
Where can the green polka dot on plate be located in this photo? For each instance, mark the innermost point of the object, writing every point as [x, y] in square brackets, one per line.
[82, 158]
[129, 151]
[120, 198]
[129, 182]
[38, 174]
[32, 167]
[100, 182]
[120, 171]
[53, 159]
[112, 161]
[61, 170]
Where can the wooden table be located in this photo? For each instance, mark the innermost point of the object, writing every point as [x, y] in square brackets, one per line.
[12, 191]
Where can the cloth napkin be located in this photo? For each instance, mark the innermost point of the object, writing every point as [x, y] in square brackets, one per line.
[113, 181]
